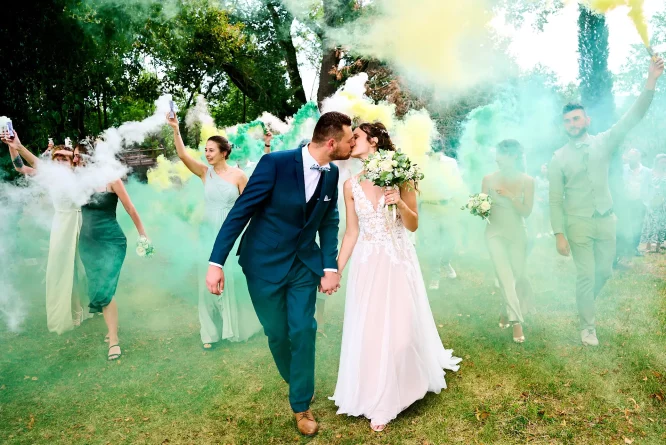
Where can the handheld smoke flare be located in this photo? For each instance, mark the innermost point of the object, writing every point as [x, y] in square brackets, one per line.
[172, 110]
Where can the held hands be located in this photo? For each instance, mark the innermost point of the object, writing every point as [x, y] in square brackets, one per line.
[562, 245]
[330, 283]
[215, 280]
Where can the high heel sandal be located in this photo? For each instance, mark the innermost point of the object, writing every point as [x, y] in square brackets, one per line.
[502, 325]
[520, 339]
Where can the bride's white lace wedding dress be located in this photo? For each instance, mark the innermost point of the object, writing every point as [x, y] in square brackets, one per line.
[391, 354]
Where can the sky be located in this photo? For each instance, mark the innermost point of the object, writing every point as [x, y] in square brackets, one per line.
[556, 47]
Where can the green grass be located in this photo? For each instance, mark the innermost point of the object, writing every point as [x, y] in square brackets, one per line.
[167, 390]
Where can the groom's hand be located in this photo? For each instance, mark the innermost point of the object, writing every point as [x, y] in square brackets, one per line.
[330, 282]
[215, 280]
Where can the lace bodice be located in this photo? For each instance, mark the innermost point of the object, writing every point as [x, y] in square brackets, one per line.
[376, 226]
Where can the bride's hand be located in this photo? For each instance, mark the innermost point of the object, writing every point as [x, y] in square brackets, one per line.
[392, 197]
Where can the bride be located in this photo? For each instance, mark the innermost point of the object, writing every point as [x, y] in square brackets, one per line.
[391, 351]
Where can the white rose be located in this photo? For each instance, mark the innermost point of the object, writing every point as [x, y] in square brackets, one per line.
[485, 206]
[141, 251]
[394, 163]
[387, 166]
[483, 196]
[372, 165]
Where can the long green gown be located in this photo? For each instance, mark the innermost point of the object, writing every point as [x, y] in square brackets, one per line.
[231, 315]
[103, 247]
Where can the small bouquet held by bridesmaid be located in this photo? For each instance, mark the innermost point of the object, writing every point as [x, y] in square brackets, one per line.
[144, 248]
[479, 205]
[391, 169]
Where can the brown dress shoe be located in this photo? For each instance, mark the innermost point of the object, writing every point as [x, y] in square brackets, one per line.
[307, 425]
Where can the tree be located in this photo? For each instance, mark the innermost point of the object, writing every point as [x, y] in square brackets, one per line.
[335, 14]
[596, 82]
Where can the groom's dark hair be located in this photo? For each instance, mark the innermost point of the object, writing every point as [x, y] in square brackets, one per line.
[330, 126]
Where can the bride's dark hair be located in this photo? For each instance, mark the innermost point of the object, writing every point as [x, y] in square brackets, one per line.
[379, 131]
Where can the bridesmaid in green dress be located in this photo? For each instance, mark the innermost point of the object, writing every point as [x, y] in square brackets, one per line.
[103, 247]
[65, 278]
[231, 315]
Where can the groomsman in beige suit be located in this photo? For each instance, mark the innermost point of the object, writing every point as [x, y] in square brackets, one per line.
[581, 207]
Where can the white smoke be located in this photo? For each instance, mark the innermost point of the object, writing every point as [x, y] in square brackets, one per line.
[199, 114]
[12, 307]
[104, 167]
[274, 124]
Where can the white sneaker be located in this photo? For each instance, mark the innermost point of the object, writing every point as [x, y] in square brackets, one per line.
[434, 285]
[450, 272]
[589, 337]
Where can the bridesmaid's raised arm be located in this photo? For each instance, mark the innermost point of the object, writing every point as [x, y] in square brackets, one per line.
[16, 149]
[196, 167]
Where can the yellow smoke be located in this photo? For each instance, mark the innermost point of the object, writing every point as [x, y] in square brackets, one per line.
[447, 44]
[161, 176]
[363, 109]
[413, 135]
[636, 13]
[208, 130]
[443, 180]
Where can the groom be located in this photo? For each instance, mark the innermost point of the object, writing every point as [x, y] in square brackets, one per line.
[291, 197]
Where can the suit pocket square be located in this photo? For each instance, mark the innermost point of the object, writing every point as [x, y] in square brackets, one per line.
[326, 198]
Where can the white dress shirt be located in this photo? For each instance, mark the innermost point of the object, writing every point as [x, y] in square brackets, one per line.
[311, 179]
[310, 176]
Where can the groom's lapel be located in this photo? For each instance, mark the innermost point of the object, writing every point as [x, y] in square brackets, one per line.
[300, 180]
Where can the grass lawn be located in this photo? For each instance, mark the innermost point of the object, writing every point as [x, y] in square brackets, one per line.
[167, 390]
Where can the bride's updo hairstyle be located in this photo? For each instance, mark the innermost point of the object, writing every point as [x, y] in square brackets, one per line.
[378, 130]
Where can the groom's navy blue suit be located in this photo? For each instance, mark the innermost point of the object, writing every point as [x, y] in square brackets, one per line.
[282, 261]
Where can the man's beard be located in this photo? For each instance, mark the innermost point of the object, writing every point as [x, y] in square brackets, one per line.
[579, 134]
[338, 155]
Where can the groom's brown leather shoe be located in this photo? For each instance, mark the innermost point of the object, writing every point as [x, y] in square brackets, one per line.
[307, 425]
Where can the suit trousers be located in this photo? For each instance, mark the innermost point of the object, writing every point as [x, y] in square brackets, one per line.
[286, 311]
[592, 241]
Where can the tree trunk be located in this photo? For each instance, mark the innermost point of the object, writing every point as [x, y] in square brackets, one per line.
[282, 21]
[335, 15]
[327, 79]
[244, 108]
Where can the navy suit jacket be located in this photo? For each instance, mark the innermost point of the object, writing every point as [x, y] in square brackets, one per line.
[274, 203]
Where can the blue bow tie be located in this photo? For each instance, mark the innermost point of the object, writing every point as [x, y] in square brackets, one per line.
[319, 168]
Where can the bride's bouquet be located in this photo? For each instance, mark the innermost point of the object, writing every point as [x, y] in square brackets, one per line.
[479, 205]
[144, 248]
[390, 169]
